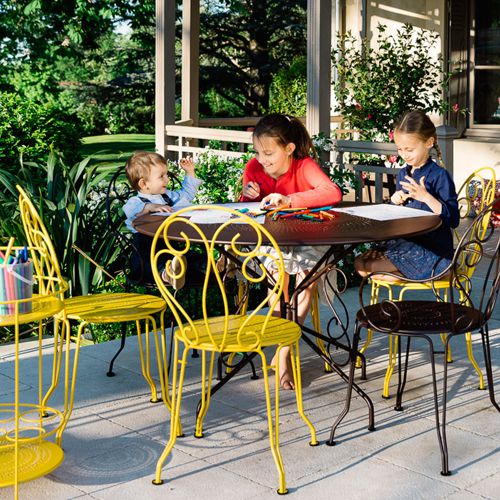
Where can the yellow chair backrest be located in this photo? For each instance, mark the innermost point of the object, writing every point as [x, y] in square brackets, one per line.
[477, 192]
[232, 230]
[47, 272]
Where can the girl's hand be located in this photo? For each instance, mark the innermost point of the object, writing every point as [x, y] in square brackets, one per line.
[156, 207]
[275, 200]
[251, 190]
[417, 191]
[399, 197]
[187, 164]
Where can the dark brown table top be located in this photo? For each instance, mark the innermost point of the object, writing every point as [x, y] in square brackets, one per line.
[343, 229]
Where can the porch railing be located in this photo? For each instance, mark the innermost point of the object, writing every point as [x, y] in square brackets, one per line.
[234, 143]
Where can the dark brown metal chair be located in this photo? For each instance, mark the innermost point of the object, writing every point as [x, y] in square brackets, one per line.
[468, 309]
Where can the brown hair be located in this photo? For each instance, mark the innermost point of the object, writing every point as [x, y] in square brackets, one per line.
[286, 129]
[418, 123]
[139, 166]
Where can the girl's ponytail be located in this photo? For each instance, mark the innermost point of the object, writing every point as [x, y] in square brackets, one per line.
[286, 129]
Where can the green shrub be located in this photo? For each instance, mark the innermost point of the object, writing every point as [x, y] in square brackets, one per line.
[288, 91]
[71, 201]
[222, 178]
[30, 131]
[377, 85]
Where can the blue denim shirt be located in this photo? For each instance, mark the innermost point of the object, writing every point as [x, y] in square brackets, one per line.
[439, 184]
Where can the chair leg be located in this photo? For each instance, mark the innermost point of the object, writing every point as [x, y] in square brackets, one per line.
[161, 358]
[485, 337]
[123, 333]
[470, 354]
[440, 427]
[206, 390]
[59, 343]
[352, 366]
[402, 381]
[297, 378]
[316, 322]
[145, 356]
[69, 384]
[373, 300]
[393, 349]
[176, 406]
[274, 427]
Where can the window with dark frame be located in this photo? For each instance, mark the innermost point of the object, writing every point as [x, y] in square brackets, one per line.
[485, 55]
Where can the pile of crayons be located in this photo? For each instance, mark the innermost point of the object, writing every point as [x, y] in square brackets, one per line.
[319, 214]
[16, 280]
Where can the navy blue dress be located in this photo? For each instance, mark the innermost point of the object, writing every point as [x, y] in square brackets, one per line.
[424, 256]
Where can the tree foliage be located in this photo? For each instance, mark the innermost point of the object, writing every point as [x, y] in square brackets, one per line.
[243, 43]
[70, 52]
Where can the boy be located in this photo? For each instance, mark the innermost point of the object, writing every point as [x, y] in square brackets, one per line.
[148, 174]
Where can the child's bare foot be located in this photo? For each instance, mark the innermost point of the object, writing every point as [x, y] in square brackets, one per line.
[285, 370]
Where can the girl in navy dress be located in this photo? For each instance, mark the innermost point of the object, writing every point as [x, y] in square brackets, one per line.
[425, 185]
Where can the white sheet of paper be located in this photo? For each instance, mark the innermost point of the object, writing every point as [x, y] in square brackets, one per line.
[383, 211]
[214, 216]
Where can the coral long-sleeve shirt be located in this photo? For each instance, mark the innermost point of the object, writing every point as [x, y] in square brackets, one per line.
[306, 184]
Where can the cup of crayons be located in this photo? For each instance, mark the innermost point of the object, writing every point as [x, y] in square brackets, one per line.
[16, 280]
[319, 214]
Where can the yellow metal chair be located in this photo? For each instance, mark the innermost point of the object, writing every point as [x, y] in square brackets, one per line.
[106, 307]
[476, 192]
[30, 430]
[243, 333]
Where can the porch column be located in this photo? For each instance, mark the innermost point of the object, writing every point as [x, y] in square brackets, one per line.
[190, 60]
[165, 72]
[319, 36]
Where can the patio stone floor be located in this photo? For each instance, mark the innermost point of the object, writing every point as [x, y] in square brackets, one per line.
[116, 435]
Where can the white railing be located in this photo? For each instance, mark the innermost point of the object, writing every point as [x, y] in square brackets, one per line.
[195, 140]
[189, 140]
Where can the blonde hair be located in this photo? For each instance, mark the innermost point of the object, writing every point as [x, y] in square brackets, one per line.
[139, 166]
[418, 123]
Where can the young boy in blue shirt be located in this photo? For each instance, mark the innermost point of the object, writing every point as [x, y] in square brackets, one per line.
[148, 174]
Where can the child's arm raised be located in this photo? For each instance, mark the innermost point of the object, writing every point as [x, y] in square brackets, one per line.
[187, 164]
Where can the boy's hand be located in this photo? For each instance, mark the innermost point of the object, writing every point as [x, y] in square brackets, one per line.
[149, 208]
[251, 190]
[187, 164]
[399, 197]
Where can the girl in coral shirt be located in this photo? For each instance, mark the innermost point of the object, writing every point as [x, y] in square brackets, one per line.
[283, 174]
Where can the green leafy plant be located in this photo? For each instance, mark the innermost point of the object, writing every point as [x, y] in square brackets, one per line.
[71, 201]
[29, 131]
[288, 90]
[345, 179]
[222, 177]
[377, 85]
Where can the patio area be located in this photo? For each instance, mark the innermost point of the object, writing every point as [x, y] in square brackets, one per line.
[116, 435]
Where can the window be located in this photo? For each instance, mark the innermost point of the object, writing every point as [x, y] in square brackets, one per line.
[485, 59]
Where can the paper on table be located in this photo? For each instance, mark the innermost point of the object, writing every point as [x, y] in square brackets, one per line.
[383, 211]
[209, 216]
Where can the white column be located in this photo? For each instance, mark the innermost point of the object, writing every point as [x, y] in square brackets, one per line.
[190, 60]
[319, 35]
[165, 72]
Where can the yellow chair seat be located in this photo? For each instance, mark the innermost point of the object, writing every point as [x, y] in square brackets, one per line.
[278, 331]
[112, 307]
[436, 285]
[35, 460]
[42, 307]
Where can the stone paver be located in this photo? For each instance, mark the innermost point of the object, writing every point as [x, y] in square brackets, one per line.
[115, 435]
